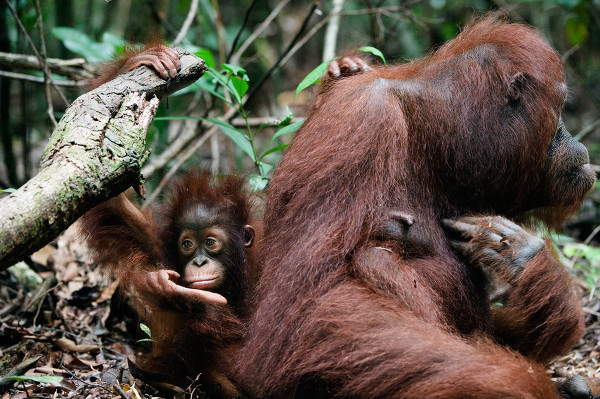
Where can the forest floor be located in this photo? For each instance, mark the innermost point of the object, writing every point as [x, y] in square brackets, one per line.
[64, 335]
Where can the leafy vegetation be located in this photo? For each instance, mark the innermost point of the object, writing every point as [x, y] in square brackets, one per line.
[254, 66]
[263, 57]
[585, 258]
[146, 331]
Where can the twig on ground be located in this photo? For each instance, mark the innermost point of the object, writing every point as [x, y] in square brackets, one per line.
[90, 384]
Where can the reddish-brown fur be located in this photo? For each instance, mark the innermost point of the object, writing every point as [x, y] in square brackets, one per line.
[161, 58]
[464, 131]
[188, 337]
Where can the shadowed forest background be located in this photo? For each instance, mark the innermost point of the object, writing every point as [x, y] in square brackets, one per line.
[238, 118]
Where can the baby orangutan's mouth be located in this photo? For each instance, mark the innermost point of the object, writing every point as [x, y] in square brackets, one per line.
[203, 284]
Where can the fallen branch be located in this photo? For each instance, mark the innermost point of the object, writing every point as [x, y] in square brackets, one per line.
[95, 153]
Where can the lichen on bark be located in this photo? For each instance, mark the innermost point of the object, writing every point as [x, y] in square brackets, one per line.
[96, 151]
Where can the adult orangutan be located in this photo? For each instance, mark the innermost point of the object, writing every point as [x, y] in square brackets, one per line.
[472, 130]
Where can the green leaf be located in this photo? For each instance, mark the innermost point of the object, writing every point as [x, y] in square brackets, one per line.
[233, 69]
[239, 138]
[217, 76]
[80, 43]
[226, 82]
[264, 168]
[145, 329]
[240, 86]
[26, 275]
[374, 51]
[113, 40]
[287, 119]
[205, 84]
[7, 190]
[288, 129]
[274, 149]
[257, 182]
[206, 55]
[144, 340]
[45, 379]
[576, 30]
[570, 250]
[313, 77]
[278, 123]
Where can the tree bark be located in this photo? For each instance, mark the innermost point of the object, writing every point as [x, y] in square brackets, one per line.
[95, 153]
[75, 68]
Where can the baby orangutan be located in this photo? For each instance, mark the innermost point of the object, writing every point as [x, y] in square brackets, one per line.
[185, 275]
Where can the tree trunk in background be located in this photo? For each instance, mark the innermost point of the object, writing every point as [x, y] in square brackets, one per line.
[63, 12]
[5, 101]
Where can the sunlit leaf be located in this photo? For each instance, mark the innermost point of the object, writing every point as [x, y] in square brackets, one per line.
[80, 43]
[240, 85]
[207, 56]
[313, 77]
[113, 40]
[374, 51]
[226, 82]
[217, 76]
[233, 69]
[45, 379]
[274, 149]
[264, 168]
[257, 182]
[145, 329]
[287, 129]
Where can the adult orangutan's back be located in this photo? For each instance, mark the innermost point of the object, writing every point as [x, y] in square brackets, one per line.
[344, 313]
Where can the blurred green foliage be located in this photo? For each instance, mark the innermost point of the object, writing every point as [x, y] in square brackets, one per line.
[99, 31]
[586, 260]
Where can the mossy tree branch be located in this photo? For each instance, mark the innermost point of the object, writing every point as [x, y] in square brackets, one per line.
[95, 153]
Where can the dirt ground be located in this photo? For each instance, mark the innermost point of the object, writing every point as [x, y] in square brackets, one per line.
[69, 323]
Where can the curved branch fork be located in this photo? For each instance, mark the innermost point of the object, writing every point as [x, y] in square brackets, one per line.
[95, 153]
